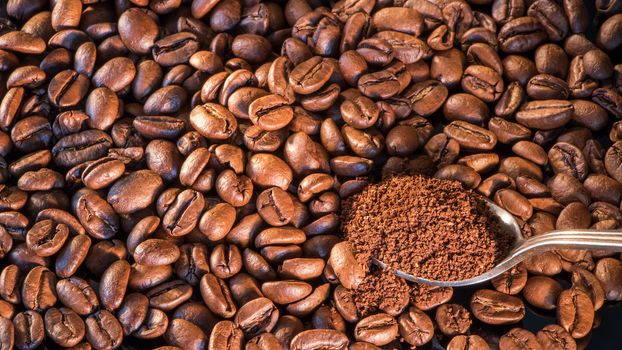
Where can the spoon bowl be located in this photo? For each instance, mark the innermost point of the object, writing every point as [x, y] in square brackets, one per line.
[525, 247]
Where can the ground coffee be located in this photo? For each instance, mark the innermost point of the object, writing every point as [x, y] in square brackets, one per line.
[431, 228]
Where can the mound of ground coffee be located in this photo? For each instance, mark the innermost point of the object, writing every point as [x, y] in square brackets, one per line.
[431, 228]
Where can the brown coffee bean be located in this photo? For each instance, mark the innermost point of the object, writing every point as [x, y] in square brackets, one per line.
[575, 312]
[496, 308]
[103, 330]
[556, 338]
[518, 338]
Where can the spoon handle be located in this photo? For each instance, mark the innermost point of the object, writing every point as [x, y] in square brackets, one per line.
[571, 239]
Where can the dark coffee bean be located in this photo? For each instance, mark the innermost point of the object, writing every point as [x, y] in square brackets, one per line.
[39, 289]
[316, 339]
[496, 308]
[519, 338]
[95, 214]
[257, 316]
[135, 191]
[103, 330]
[453, 319]
[271, 112]
[217, 296]
[551, 18]
[45, 238]
[76, 294]
[575, 312]
[226, 335]
[542, 292]
[29, 330]
[72, 255]
[547, 87]
[113, 284]
[583, 279]
[556, 338]
[217, 221]
[521, 34]
[426, 97]
[609, 272]
[545, 114]
[470, 136]
[64, 326]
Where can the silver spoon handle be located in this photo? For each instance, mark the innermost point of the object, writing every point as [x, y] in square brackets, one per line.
[554, 240]
[571, 239]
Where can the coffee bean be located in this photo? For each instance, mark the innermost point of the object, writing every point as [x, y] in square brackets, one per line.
[38, 289]
[64, 326]
[217, 296]
[76, 294]
[226, 335]
[518, 338]
[103, 330]
[575, 312]
[496, 308]
[555, 337]
[316, 339]
[29, 330]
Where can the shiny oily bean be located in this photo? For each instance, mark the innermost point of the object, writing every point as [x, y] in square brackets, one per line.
[113, 284]
[257, 316]
[76, 294]
[155, 252]
[470, 136]
[464, 342]
[103, 330]
[39, 289]
[29, 330]
[46, 237]
[575, 312]
[554, 337]
[542, 292]
[64, 326]
[317, 339]
[169, 295]
[518, 338]
[379, 329]
[496, 308]
[217, 296]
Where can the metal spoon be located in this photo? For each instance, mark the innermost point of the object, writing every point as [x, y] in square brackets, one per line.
[523, 248]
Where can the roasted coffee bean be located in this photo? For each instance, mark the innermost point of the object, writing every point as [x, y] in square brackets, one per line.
[555, 337]
[29, 330]
[103, 330]
[511, 282]
[496, 308]
[319, 339]
[609, 272]
[521, 34]
[462, 342]
[257, 316]
[575, 312]
[518, 338]
[542, 292]
[64, 326]
[95, 214]
[217, 296]
[452, 319]
[76, 294]
[39, 289]
[271, 112]
[470, 136]
[113, 284]
[226, 335]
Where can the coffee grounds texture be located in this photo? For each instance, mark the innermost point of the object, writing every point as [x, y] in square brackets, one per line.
[428, 227]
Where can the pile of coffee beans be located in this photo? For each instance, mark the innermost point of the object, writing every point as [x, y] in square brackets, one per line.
[172, 171]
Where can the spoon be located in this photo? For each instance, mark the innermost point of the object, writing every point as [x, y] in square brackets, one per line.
[523, 248]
